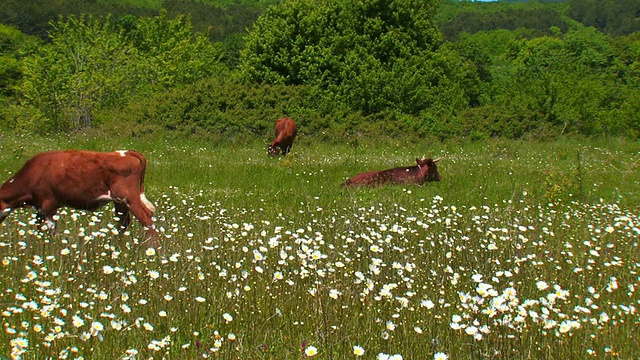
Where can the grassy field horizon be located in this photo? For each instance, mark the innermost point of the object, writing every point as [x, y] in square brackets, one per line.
[523, 250]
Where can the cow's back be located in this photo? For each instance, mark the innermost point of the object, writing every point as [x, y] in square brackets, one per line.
[78, 178]
[286, 129]
[406, 175]
[369, 178]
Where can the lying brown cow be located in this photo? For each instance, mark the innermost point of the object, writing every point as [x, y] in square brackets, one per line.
[83, 180]
[286, 131]
[425, 170]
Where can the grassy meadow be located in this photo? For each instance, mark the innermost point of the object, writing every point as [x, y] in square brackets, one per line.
[524, 250]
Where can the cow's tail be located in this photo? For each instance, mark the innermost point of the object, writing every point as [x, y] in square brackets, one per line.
[143, 169]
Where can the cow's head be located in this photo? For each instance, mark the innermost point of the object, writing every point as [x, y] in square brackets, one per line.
[431, 168]
[273, 150]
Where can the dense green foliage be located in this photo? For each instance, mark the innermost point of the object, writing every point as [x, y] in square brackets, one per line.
[456, 17]
[341, 68]
[99, 64]
[615, 17]
[371, 56]
[219, 19]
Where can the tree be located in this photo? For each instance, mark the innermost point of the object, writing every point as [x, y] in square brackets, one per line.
[173, 53]
[14, 46]
[94, 63]
[374, 55]
[571, 83]
[87, 66]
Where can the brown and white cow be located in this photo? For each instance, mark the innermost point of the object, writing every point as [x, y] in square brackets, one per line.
[286, 131]
[83, 180]
[425, 170]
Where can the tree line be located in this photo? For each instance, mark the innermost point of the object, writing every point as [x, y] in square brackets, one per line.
[341, 68]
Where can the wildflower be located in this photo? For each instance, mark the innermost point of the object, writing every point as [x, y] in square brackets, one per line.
[77, 321]
[541, 285]
[334, 294]
[96, 327]
[20, 343]
[390, 325]
[227, 317]
[484, 289]
[440, 356]
[311, 351]
[358, 350]
[150, 252]
[565, 326]
[471, 330]
[427, 303]
[257, 256]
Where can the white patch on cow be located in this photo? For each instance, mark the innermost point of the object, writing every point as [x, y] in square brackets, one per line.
[106, 196]
[147, 203]
[122, 153]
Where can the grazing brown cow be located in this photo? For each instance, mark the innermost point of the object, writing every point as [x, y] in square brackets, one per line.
[286, 131]
[425, 170]
[83, 180]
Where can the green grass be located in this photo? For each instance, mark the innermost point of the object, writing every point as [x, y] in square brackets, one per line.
[298, 262]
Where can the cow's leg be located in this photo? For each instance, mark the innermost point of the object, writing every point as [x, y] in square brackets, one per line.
[127, 191]
[46, 212]
[122, 212]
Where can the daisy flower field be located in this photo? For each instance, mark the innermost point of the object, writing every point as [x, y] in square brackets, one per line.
[523, 250]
